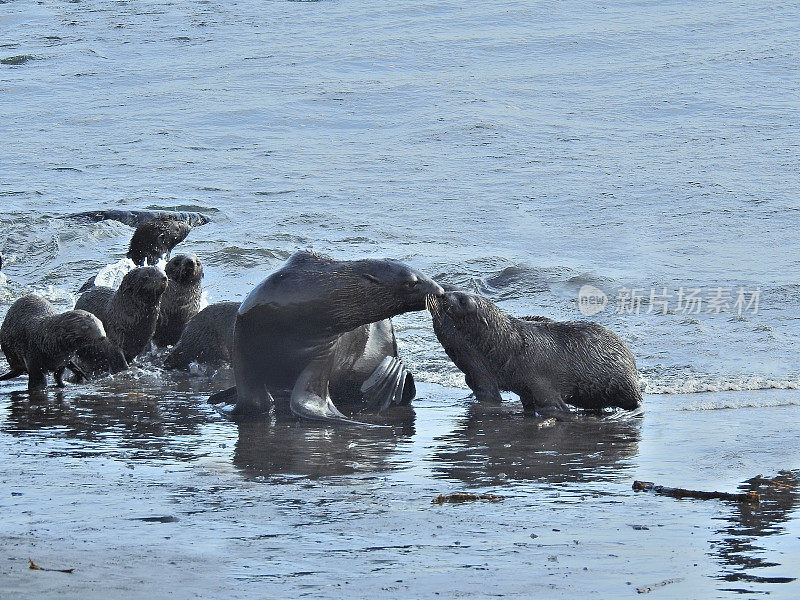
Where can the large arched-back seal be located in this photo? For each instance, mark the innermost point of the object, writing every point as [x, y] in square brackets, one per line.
[181, 300]
[315, 323]
[129, 314]
[37, 340]
[549, 364]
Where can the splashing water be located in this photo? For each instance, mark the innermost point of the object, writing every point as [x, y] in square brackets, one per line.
[112, 275]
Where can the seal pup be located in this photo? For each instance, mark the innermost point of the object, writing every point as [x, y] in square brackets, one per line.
[129, 314]
[549, 364]
[207, 337]
[295, 331]
[156, 234]
[181, 300]
[37, 340]
[153, 240]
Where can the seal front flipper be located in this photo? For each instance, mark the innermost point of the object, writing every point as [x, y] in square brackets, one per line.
[37, 379]
[310, 398]
[80, 375]
[545, 400]
[390, 383]
[230, 405]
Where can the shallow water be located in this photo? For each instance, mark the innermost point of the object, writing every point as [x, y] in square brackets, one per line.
[134, 489]
[522, 149]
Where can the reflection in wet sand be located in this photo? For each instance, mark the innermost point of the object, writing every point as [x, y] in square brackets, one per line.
[286, 446]
[493, 444]
[151, 425]
[739, 550]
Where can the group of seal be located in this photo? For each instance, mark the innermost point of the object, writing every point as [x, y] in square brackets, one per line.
[317, 332]
[108, 328]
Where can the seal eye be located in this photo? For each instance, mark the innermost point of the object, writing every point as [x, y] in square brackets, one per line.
[412, 284]
[371, 278]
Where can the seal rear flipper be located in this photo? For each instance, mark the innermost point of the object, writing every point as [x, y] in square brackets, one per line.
[307, 402]
[11, 374]
[388, 385]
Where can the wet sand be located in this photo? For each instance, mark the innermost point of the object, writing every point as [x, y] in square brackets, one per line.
[152, 494]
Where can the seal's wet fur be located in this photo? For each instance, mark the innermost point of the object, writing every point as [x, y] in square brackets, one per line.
[207, 337]
[154, 239]
[181, 300]
[37, 340]
[129, 313]
[295, 331]
[549, 364]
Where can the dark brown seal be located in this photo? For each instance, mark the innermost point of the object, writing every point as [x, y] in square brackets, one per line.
[129, 314]
[549, 364]
[157, 231]
[207, 338]
[37, 340]
[154, 239]
[156, 234]
[181, 301]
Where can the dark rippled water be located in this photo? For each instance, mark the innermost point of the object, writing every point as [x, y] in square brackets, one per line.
[523, 149]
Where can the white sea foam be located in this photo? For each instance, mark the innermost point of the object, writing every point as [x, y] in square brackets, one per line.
[697, 383]
[111, 275]
[57, 295]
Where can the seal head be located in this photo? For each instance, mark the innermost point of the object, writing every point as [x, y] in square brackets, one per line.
[181, 301]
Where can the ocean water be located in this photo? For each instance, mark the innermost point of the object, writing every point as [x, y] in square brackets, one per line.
[521, 149]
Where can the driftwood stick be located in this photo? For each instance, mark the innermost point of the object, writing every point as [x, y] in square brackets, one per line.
[461, 497]
[649, 588]
[649, 486]
[35, 567]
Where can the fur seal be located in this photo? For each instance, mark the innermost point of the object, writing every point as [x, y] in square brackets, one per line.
[549, 364]
[157, 232]
[153, 240]
[37, 340]
[129, 314]
[317, 325]
[207, 337]
[181, 300]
